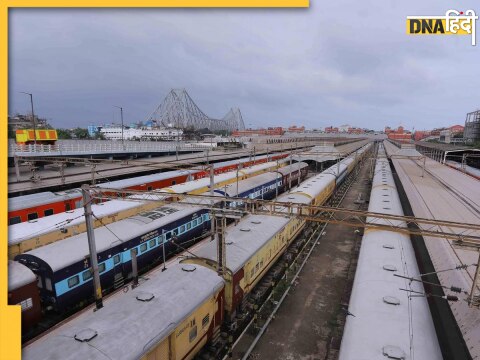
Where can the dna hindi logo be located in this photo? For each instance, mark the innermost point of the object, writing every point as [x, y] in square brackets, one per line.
[453, 23]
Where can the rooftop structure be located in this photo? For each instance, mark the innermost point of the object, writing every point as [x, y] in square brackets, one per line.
[472, 127]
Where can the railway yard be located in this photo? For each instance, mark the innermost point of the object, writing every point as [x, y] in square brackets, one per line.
[316, 249]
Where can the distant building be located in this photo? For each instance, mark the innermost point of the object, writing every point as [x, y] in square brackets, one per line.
[457, 129]
[115, 133]
[344, 128]
[257, 132]
[93, 129]
[472, 127]
[296, 129]
[421, 134]
[20, 121]
[399, 135]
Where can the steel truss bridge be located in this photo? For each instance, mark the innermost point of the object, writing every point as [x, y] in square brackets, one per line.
[180, 111]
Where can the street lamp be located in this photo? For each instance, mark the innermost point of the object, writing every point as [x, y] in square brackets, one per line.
[121, 116]
[33, 119]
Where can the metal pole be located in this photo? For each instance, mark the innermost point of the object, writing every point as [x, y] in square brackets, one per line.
[473, 300]
[121, 117]
[17, 167]
[87, 201]
[163, 249]
[134, 267]
[212, 218]
[276, 182]
[238, 169]
[33, 121]
[176, 148]
[290, 177]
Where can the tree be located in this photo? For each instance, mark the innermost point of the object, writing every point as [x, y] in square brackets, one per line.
[99, 136]
[63, 134]
[81, 133]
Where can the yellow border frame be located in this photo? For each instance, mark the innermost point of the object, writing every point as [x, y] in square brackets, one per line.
[10, 339]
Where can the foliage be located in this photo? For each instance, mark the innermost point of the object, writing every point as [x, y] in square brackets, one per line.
[64, 134]
[81, 133]
[99, 136]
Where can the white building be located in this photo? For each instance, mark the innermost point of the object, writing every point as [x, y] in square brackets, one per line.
[343, 128]
[115, 133]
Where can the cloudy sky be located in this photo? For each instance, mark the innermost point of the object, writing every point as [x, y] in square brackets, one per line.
[337, 62]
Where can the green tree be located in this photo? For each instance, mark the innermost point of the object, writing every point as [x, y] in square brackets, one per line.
[63, 134]
[99, 136]
[81, 133]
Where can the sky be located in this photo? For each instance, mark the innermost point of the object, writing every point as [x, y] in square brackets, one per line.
[338, 62]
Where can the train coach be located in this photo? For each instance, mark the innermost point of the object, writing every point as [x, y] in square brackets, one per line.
[36, 233]
[202, 185]
[34, 206]
[23, 291]
[30, 207]
[169, 317]
[189, 302]
[257, 242]
[390, 319]
[66, 280]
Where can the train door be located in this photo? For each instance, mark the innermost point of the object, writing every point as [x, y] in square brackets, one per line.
[118, 278]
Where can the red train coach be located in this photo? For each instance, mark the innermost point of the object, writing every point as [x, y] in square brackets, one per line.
[34, 206]
[23, 291]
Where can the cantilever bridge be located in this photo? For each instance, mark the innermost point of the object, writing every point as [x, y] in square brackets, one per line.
[178, 109]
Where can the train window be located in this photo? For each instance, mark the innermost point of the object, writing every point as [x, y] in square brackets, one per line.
[182, 228]
[73, 281]
[48, 212]
[193, 334]
[168, 236]
[150, 188]
[174, 182]
[32, 216]
[14, 220]
[101, 268]
[205, 320]
[151, 243]
[189, 225]
[48, 284]
[143, 247]
[135, 250]
[86, 275]
[252, 272]
[68, 207]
